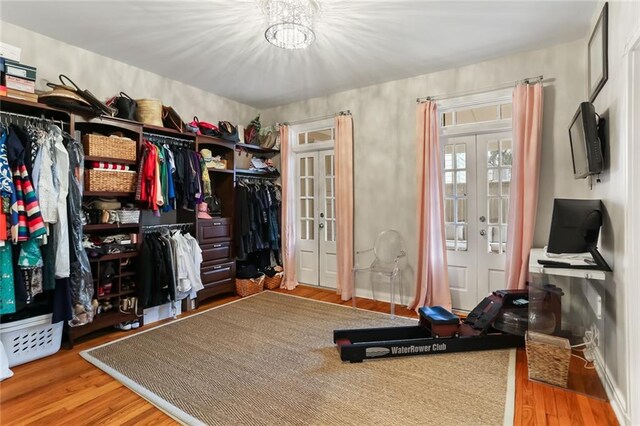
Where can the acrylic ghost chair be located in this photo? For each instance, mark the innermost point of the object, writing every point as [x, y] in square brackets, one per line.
[389, 249]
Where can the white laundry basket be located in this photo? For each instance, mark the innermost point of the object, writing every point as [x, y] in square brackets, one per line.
[30, 339]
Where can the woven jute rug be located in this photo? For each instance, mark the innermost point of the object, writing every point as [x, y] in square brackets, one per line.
[270, 360]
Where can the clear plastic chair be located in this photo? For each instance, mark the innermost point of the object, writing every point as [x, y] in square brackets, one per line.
[389, 249]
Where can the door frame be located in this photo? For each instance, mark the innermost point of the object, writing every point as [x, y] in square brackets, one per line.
[475, 129]
[317, 147]
[632, 249]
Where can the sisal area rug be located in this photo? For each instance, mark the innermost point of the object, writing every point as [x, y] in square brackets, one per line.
[269, 360]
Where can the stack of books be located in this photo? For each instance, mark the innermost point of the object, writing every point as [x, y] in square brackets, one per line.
[18, 80]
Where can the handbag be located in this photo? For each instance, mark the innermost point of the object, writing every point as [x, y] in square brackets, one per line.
[125, 105]
[171, 119]
[206, 128]
[214, 205]
[252, 132]
[228, 131]
[268, 137]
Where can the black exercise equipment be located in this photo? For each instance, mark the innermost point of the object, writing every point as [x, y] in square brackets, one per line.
[440, 331]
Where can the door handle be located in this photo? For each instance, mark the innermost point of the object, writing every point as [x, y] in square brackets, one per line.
[321, 225]
[483, 232]
[482, 219]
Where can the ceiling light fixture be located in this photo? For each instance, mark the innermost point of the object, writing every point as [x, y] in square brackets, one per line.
[290, 22]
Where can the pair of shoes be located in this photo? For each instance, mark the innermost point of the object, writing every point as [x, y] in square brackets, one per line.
[123, 326]
[128, 325]
[129, 304]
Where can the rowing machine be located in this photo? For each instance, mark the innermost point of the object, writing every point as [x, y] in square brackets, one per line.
[440, 331]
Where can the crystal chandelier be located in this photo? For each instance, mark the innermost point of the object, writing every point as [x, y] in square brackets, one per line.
[290, 22]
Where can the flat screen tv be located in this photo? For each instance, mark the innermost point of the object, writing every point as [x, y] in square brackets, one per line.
[586, 149]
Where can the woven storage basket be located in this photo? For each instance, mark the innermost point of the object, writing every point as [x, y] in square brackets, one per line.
[548, 358]
[113, 147]
[247, 287]
[109, 180]
[149, 111]
[274, 281]
[128, 216]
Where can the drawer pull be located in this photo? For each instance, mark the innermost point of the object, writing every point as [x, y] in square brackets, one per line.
[217, 245]
[217, 267]
[217, 223]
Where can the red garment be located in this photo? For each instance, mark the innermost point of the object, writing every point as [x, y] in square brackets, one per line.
[148, 185]
[3, 226]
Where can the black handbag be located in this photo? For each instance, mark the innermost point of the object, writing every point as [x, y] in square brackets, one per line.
[126, 105]
[214, 205]
[228, 131]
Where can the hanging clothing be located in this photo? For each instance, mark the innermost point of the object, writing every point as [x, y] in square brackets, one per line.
[7, 291]
[61, 227]
[257, 223]
[80, 283]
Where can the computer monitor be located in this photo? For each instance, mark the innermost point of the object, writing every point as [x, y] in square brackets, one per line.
[575, 226]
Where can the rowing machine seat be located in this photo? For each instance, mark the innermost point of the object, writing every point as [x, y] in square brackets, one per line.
[439, 321]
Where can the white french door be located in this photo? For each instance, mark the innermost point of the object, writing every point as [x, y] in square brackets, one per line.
[477, 177]
[316, 218]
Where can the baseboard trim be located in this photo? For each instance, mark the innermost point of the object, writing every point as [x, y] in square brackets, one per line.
[616, 398]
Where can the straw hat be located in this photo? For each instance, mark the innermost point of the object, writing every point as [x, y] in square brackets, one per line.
[63, 96]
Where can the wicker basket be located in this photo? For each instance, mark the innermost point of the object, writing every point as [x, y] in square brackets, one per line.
[247, 287]
[128, 216]
[548, 358]
[274, 281]
[149, 111]
[113, 147]
[109, 180]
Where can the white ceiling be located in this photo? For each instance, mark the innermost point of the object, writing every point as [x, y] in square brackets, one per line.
[219, 45]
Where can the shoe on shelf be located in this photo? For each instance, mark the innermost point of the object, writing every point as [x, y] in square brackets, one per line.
[135, 324]
[123, 326]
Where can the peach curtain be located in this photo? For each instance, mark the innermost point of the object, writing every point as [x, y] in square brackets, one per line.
[432, 277]
[344, 204]
[523, 202]
[288, 221]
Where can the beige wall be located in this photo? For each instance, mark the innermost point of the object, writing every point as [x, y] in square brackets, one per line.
[105, 77]
[384, 126]
[611, 103]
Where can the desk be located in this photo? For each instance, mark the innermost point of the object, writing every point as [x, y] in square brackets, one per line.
[582, 312]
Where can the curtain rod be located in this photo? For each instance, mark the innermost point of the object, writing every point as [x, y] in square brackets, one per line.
[322, 117]
[528, 80]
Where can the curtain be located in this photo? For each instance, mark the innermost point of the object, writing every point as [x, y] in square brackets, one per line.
[344, 204]
[288, 228]
[432, 277]
[523, 202]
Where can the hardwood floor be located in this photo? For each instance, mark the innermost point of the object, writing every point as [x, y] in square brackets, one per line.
[65, 389]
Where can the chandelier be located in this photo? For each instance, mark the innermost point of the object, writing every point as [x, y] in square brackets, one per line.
[290, 22]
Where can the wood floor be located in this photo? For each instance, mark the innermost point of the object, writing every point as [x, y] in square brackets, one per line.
[64, 389]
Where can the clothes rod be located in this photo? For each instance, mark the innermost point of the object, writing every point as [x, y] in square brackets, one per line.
[528, 80]
[151, 136]
[31, 117]
[322, 117]
[185, 225]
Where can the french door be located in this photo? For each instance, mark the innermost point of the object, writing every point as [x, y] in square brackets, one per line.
[316, 218]
[477, 178]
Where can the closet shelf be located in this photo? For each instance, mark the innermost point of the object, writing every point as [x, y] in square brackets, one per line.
[109, 160]
[107, 194]
[109, 226]
[244, 172]
[211, 140]
[254, 149]
[82, 123]
[114, 256]
[127, 292]
[220, 171]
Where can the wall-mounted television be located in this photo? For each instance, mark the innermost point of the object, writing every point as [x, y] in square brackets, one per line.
[586, 147]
